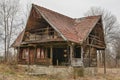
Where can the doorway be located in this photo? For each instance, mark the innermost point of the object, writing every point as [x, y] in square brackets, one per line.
[60, 56]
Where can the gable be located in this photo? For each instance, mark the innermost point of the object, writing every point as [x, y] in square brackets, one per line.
[66, 27]
[62, 24]
[85, 25]
[96, 36]
[98, 30]
[33, 20]
[37, 26]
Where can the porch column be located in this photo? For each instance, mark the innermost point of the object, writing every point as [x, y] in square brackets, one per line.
[82, 52]
[35, 54]
[104, 61]
[71, 53]
[51, 55]
[89, 55]
[28, 56]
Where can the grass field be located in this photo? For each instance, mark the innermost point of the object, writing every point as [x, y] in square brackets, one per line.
[14, 72]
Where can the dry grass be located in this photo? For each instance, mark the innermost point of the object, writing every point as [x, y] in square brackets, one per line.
[112, 74]
[14, 72]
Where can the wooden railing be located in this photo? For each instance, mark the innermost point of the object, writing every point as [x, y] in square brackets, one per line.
[42, 33]
[34, 37]
[94, 41]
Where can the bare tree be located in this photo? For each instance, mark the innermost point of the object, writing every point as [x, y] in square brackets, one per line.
[109, 20]
[116, 43]
[9, 22]
[26, 12]
[110, 26]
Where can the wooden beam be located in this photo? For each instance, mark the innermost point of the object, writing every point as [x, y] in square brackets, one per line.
[42, 41]
[97, 46]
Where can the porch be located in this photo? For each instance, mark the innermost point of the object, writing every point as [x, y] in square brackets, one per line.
[56, 54]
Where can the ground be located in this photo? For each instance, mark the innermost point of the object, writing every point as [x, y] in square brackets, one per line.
[15, 72]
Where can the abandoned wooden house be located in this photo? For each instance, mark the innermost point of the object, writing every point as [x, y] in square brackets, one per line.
[50, 38]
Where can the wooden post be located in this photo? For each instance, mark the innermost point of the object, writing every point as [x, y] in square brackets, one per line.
[82, 52]
[89, 55]
[57, 62]
[35, 54]
[104, 63]
[51, 55]
[29, 57]
[71, 53]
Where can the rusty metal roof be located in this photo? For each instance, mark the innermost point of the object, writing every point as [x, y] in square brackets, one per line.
[59, 22]
[85, 25]
[74, 30]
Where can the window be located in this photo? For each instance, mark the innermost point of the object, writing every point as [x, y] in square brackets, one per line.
[40, 53]
[77, 52]
[42, 56]
[25, 53]
[48, 52]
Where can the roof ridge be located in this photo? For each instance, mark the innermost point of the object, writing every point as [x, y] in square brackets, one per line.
[52, 11]
[87, 17]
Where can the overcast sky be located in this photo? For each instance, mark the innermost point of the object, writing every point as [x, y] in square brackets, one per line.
[77, 8]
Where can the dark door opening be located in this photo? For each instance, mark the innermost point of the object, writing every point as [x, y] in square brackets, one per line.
[60, 56]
